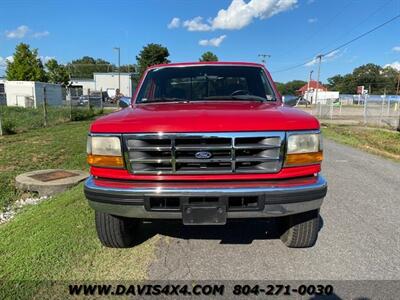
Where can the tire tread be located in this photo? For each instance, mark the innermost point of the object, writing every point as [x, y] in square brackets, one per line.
[114, 231]
[302, 230]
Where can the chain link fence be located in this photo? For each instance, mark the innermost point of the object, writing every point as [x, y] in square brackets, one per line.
[373, 110]
[74, 107]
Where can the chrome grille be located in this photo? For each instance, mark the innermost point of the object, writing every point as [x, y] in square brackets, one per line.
[241, 152]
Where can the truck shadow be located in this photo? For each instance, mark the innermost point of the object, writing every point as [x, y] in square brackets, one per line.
[234, 232]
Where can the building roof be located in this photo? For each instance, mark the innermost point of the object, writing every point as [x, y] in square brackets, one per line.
[313, 85]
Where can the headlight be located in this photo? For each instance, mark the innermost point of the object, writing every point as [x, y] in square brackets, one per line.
[104, 151]
[303, 149]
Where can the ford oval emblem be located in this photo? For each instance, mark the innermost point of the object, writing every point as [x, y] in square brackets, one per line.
[203, 155]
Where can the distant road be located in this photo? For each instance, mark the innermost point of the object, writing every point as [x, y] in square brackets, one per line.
[360, 237]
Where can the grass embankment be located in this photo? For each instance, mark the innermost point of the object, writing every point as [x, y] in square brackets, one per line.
[56, 239]
[19, 119]
[61, 146]
[379, 141]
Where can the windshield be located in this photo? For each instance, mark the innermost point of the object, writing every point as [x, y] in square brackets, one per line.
[201, 83]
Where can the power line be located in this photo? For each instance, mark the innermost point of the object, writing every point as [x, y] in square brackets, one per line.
[364, 34]
[357, 25]
[325, 25]
[311, 58]
[340, 46]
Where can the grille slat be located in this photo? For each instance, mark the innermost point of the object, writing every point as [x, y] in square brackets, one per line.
[210, 160]
[202, 147]
[149, 148]
[242, 152]
[147, 160]
[247, 146]
[255, 159]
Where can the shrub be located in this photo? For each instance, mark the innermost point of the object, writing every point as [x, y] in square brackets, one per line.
[9, 126]
[82, 114]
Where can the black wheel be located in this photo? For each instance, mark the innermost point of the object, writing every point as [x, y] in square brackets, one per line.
[114, 231]
[301, 229]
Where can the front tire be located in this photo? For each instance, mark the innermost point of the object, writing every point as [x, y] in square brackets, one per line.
[301, 229]
[115, 231]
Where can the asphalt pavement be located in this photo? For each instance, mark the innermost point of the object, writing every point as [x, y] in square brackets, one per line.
[359, 237]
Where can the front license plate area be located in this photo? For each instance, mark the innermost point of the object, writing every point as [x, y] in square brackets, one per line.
[204, 215]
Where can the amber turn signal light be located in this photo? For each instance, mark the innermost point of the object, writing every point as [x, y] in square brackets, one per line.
[301, 159]
[105, 161]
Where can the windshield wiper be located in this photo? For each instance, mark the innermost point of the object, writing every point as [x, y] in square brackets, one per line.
[237, 97]
[165, 99]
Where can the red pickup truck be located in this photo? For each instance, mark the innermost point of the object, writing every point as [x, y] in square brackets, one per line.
[204, 143]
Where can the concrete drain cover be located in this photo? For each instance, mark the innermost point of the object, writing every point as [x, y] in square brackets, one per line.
[54, 175]
[49, 182]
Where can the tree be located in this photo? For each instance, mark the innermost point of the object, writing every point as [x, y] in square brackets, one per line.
[379, 79]
[343, 84]
[57, 73]
[369, 75]
[151, 54]
[280, 87]
[291, 87]
[26, 65]
[127, 68]
[389, 80]
[86, 66]
[208, 56]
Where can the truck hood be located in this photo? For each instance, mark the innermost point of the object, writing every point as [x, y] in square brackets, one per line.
[205, 116]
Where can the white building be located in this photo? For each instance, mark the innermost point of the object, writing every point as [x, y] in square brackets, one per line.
[31, 93]
[323, 96]
[106, 82]
[85, 84]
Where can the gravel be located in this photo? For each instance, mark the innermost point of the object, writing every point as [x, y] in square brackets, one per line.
[11, 210]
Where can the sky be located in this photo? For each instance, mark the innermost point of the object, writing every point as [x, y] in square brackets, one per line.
[292, 32]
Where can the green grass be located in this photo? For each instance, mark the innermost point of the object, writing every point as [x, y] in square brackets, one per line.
[62, 146]
[19, 119]
[24, 119]
[379, 141]
[56, 239]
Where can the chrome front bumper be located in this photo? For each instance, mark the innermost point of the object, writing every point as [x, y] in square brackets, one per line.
[279, 197]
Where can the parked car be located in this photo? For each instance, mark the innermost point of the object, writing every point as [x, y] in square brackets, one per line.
[83, 100]
[205, 143]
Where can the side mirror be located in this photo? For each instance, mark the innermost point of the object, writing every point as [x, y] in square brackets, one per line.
[290, 100]
[124, 102]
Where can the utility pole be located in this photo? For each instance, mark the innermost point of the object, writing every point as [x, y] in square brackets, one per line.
[319, 57]
[264, 58]
[309, 80]
[45, 107]
[398, 102]
[119, 67]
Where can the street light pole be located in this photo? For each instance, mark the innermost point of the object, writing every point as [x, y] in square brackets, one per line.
[264, 58]
[119, 67]
[319, 57]
[308, 85]
[398, 102]
[1, 127]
